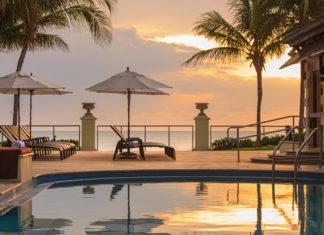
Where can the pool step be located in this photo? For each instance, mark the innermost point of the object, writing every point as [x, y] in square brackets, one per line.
[286, 160]
[307, 158]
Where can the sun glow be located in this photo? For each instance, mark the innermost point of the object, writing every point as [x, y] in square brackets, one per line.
[188, 40]
[271, 68]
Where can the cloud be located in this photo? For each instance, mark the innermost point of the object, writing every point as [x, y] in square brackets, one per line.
[230, 92]
[163, 18]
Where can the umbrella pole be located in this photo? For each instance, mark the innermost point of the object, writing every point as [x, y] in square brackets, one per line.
[128, 115]
[30, 113]
[18, 109]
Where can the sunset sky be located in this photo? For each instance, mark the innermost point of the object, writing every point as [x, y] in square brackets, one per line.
[153, 38]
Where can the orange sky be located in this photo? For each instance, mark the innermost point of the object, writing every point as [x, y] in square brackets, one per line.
[142, 36]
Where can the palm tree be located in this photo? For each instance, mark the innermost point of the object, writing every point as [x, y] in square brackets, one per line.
[34, 18]
[255, 36]
[299, 13]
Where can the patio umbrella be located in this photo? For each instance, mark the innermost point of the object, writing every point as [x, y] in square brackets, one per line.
[129, 83]
[22, 83]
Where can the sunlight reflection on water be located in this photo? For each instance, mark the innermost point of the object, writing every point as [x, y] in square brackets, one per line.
[170, 208]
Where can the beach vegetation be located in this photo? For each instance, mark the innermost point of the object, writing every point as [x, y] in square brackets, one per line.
[254, 35]
[37, 24]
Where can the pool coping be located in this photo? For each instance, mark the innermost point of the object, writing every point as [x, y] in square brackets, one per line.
[176, 173]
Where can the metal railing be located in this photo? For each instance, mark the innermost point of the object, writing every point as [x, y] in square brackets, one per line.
[277, 148]
[263, 127]
[292, 117]
[145, 131]
[296, 162]
[239, 127]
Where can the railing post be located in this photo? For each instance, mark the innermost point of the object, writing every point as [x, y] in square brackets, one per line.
[79, 137]
[238, 143]
[210, 137]
[169, 141]
[192, 138]
[54, 135]
[144, 133]
[97, 137]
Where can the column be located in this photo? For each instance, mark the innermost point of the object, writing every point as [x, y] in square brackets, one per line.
[88, 128]
[201, 128]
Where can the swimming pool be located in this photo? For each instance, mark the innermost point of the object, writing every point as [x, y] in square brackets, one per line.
[192, 206]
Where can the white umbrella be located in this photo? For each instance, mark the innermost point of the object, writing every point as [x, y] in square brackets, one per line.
[129, 82]
[22, 83]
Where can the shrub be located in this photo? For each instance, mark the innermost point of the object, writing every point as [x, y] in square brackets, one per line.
[271, 140]
[230, 143]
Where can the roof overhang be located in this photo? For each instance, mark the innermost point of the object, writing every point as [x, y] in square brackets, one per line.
[305, 33]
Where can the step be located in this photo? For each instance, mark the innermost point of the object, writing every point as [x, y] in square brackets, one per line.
[302, 155]
[287, 160]
[305, 152]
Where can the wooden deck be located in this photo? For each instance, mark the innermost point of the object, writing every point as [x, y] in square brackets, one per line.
[102, 161]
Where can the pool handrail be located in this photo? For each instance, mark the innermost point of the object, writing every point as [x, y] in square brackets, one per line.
[277, 148]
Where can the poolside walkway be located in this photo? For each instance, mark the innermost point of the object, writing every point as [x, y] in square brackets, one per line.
[102, 161]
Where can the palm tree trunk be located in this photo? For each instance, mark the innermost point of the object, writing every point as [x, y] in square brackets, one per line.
[258, 69]
[18, 69]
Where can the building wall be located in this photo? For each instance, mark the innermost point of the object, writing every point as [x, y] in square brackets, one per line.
[314, 100]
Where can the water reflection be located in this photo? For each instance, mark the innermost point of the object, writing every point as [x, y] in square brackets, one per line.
[124, 226]
[172, 208]
[201, 189]
[20, 220]
[88, 189]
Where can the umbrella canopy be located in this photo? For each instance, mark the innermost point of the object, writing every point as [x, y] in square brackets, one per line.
[129, 82]
[35, 92]
[151, 91]
[21, 83]
[19, 80]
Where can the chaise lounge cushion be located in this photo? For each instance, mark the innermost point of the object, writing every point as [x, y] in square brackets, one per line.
[14, 151]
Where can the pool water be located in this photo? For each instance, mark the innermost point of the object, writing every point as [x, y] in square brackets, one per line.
[190, 208]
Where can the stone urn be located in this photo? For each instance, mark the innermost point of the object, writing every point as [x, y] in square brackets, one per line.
[201, 107]
[88, 107]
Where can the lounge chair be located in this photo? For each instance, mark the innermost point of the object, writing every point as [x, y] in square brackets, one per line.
[135, 142]
[41, 146]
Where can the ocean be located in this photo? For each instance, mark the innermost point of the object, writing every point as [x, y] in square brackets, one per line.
[181, 140]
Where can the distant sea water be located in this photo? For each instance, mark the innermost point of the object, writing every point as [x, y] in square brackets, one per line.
[180, 140]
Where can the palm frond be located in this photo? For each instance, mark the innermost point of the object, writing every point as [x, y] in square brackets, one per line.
[223, 54]
[242, 14]
[80, 16]
[274, 47]
[48, 41]
[214, 27]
